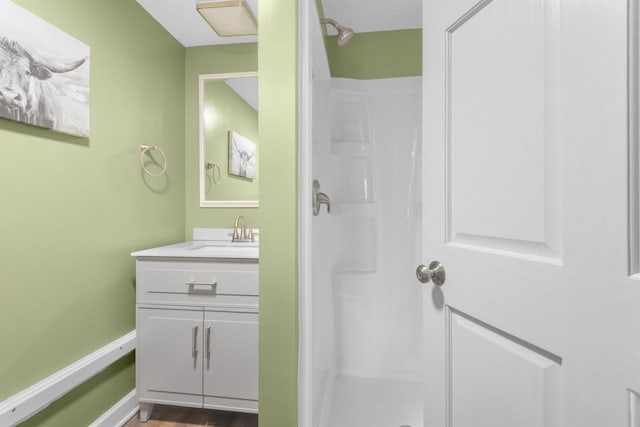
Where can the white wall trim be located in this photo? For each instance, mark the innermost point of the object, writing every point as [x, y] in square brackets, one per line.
[29, 401]
[120, 413]
[633, 135]
[305, 82]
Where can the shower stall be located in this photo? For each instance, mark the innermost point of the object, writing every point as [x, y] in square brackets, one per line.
[361, 350]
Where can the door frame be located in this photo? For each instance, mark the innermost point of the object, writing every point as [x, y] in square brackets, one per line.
[312, 58]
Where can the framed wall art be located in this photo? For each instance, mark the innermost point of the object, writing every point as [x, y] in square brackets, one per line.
[44, 73]
[242, 156]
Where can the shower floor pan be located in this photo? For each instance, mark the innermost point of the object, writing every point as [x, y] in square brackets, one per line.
[361, 401]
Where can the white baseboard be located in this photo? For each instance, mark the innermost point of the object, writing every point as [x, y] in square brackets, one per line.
[30, 401]
[120, 413]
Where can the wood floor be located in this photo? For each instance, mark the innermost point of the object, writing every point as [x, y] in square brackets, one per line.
[174, 416]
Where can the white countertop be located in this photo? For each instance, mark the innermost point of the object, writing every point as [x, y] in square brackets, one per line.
[222, 247]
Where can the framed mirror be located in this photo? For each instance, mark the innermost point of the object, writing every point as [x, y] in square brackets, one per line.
[229, 146]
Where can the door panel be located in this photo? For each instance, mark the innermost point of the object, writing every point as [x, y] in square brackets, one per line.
[634, 409]
[231, 368]
[168, 367]
[498, 55]
[497, 379]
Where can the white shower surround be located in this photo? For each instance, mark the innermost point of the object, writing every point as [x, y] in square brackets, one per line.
[363, 305]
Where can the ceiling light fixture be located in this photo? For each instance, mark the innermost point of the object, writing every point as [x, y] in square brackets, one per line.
[228, 17]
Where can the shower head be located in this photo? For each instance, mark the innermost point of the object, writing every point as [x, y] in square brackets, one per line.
[344, 33]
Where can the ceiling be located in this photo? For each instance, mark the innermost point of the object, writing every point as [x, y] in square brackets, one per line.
[180, 18]
[247, 88]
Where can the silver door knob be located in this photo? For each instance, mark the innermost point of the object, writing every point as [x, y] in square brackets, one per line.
[434, 273]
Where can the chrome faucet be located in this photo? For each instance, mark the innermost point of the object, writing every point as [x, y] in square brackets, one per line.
[240, 231]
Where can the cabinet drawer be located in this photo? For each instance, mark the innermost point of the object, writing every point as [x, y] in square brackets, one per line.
[196, 281]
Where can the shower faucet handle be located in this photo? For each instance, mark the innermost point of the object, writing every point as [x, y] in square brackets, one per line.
[319, 198]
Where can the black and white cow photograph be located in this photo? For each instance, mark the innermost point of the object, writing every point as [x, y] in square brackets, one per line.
[44, 73]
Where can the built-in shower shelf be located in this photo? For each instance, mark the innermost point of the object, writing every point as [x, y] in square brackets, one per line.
[349, 115]
[354, 179]
[352, 148]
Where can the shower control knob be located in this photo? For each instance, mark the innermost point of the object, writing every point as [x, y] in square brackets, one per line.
[434, 273]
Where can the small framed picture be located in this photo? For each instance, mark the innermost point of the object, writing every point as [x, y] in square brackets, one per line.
[242, 156]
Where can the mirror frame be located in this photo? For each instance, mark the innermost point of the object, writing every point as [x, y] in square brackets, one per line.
[204, 203]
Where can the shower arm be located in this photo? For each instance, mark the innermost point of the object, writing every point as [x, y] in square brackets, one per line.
[329, 21]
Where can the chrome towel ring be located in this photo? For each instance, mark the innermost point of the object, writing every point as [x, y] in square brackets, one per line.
[146, 148]
[215, 172]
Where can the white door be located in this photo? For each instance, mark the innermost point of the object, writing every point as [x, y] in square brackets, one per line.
[528, 205]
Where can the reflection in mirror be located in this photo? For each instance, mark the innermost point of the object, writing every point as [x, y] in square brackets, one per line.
[229, 149]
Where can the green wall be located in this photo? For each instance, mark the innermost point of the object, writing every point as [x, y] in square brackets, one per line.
[73, 209]
[376, 55]
[278, 65]
[211, 60]
[277, 215]
[226, 111]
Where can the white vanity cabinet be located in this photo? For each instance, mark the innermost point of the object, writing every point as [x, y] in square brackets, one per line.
[197, 328]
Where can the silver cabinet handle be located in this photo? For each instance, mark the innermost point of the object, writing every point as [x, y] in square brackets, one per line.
[194, 342]
[193, 283]
[208, 343]
[318, 198]
[435, 272]
[197, 286]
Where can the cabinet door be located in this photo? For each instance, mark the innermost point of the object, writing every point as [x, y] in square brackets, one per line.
[169, 355]
[231, 360]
